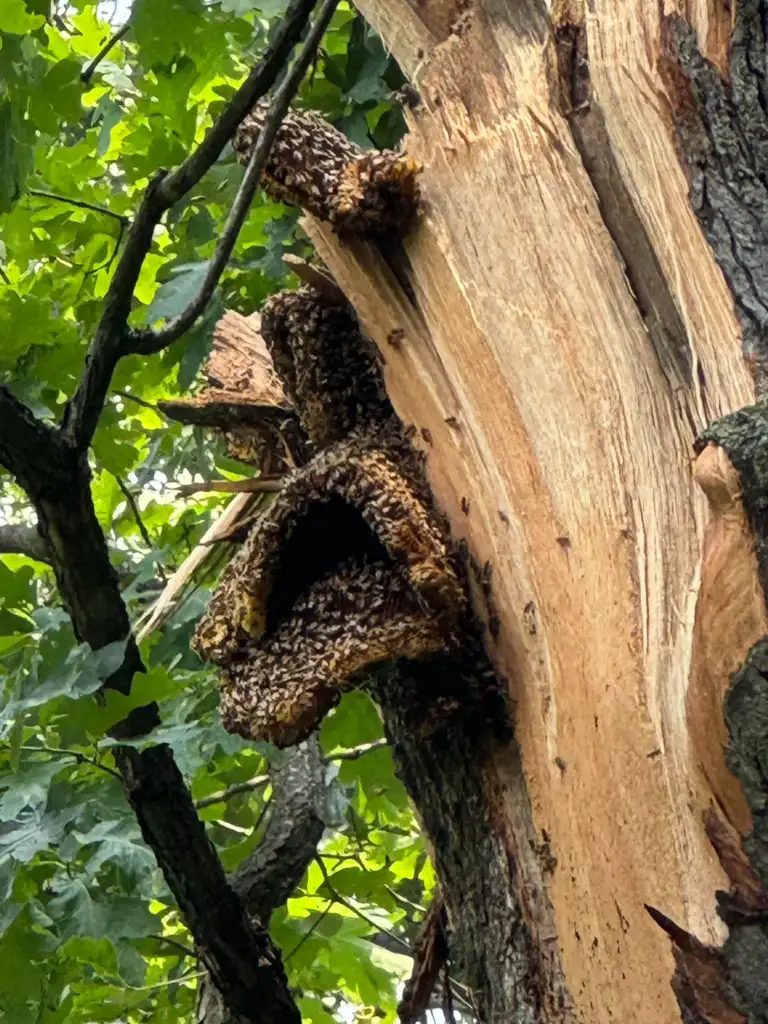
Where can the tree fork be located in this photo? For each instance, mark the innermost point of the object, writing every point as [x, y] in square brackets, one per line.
[559, 331]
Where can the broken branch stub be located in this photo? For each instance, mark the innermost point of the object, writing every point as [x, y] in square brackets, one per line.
[245, 399]
[313, 165]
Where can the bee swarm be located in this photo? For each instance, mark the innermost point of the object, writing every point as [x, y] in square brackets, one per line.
[313, 165]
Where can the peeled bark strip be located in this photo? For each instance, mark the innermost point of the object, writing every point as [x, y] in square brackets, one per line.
[313, 165]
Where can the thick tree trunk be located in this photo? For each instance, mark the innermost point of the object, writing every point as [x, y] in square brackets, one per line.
[560, 332]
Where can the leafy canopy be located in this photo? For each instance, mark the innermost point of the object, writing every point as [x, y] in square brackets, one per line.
[88, 929]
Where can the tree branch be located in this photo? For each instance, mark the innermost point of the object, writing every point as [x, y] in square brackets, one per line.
[27, 445]
[110, 343]
[78, 756]
[256, 85]
[223, 795]
[87, 74]
[271, 873]
[268, 877]
[81, 203]
[353, 753]
[237, 952]
[17, 539]
[148, 341]
[249, 485]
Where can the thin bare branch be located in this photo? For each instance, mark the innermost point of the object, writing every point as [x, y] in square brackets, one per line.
[17, 539]
[257, 782]
[251, 485]
[353, 753]
[87, 73]
[112, 334]
[256, 85]
[139, 401]
[338, 898]
[175, 944]
[148, 341]
[79, 757]
[83, 204]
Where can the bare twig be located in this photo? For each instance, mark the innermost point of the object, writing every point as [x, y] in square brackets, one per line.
[315, 924]
[148, 341]
[353, 753]
[132, 504]
[76, 754]
[87, 73]
[112, 337]
[256, 85]
[338, 898]
[168, 600]
[186, 950]
[139, 401]
[257, 782]
[82, 204]
[17, 539]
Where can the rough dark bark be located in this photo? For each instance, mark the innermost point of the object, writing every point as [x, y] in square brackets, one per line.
[495, 913]
[235, 949]
[268, 877]
[17, 539]
[723, 136]
[57, 479]
[243, 963]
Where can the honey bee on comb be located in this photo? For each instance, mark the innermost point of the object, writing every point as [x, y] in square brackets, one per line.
[347, 568]
[313, 165]
[328, 367]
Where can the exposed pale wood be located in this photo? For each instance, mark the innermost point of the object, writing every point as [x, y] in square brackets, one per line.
[527, 363]
[163, 608]
[314, 276]
[239, 360]
[251, 485]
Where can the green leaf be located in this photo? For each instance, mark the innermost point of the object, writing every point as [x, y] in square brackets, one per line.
[172, 297]
[78, 913]
[119, 843]
[13, 157]
[14, 17]
[28, 788]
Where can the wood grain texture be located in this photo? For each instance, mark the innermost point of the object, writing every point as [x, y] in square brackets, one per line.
[549, 403]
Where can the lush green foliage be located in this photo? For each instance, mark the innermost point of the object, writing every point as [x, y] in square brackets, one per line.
[88, 930]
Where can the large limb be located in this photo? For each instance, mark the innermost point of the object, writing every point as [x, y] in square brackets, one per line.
[266, 879]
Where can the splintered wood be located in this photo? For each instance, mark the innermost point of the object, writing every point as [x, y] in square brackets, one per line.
[561, 430]
[244, 398]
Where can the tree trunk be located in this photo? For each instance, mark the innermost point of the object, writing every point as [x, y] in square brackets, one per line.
[561, 326]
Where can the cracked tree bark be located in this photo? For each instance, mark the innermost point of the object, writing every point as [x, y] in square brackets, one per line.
[562, 327]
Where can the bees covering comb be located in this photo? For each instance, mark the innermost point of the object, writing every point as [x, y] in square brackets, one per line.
[352, 500]
[354, 617]
[313, 165]
[350, 566]
[328, 368]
